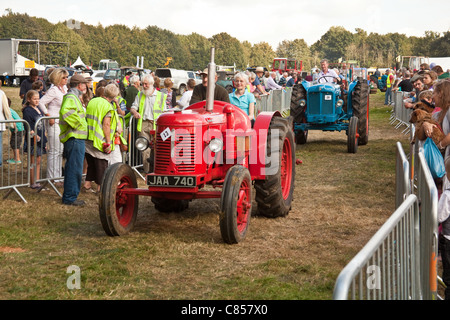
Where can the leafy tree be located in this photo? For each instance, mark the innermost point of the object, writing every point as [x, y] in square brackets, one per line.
[296, 49]
[440, 47]
[77, 45]
[228, 50]
[262, 54]
[199, 48]
[333, 44]
[124, 44]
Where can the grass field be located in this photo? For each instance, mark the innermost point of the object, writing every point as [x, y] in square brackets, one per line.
[340, 201]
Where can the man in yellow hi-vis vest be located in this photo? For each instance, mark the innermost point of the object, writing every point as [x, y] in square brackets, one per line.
[389, 83]
[146, 108]
[74, 132]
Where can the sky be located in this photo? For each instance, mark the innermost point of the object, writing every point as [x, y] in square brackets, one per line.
[270, 21]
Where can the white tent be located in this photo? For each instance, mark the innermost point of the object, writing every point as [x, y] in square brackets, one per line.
[77, 63]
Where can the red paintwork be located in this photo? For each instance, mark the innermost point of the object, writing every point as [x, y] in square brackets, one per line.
[258, 168]
[194, 127]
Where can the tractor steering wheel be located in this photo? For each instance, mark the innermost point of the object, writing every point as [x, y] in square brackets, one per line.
[325, 76]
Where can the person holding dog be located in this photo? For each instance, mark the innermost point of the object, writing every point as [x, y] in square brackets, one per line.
[441, 98]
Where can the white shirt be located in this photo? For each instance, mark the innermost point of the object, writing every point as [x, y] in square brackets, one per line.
[185, 99]
[148, 105]
[52, 100]
[271, 84]
[327, 76]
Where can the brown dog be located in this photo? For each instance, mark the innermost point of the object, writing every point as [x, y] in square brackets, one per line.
[418, 117]
[423, 105]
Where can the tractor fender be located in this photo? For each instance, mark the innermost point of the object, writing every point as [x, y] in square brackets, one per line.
[351, 87]
[257, 161]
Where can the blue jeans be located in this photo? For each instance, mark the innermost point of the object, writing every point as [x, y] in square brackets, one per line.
[73, 170]
[387, 96]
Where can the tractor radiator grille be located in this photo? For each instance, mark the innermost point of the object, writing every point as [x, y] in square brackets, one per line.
[182, 150]
[319, 104]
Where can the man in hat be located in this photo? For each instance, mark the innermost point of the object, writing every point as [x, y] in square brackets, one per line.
[74, 132]
[257, 83]
[199, 93]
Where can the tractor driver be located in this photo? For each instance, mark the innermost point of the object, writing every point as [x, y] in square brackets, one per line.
[199, 93]
[327, 75]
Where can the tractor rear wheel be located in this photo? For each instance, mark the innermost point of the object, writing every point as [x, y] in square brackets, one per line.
[235, 204]
[274, 194]
[352, 138]
[118, 211]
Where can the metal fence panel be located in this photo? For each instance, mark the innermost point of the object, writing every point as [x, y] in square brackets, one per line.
[14, 174]
[428, 197]
[386, 268]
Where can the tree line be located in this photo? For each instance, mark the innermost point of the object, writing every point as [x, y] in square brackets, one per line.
[192, 52]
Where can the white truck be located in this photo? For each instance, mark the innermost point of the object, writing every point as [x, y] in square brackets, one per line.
[14, 68]
[106, 64]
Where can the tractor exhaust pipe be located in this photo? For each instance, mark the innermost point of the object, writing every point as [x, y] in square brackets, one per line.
[211, 83]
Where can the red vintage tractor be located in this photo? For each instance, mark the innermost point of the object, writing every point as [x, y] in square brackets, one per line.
[211, 143]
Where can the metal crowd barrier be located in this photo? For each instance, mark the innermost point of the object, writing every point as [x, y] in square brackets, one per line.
[133, 157]
[50, 169]
[402, 181]
[400, 115]
[14, 175]
[386, 268]
[428, 196]
[400, 261]
[279, 99]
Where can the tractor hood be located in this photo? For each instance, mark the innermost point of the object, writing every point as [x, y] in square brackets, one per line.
[197, 115]
[190, 118]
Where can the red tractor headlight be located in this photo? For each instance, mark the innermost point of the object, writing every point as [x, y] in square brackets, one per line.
[215, 145]
[141, 143]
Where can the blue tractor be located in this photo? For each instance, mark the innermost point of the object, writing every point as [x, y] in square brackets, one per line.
[332, 107]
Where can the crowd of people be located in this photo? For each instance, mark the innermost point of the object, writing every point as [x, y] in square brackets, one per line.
[428, 89]
[412, 82]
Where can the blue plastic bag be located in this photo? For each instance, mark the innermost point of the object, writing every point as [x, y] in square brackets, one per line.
[434, 158]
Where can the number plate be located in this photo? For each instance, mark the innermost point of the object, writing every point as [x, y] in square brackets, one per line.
[171, 181]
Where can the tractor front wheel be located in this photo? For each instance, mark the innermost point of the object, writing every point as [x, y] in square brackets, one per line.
[118, 211]
[353, 136]
[235, 204]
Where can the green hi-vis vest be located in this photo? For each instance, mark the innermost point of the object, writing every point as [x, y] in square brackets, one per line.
[158, 108]
[388, 81]
[123, 120]
[72, 119]
[96, 110]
